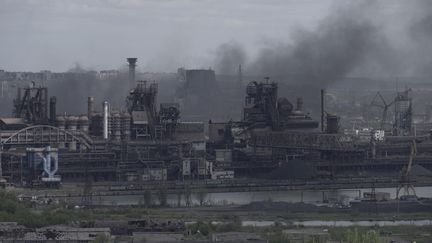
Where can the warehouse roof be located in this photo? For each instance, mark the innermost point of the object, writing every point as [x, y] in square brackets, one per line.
[12, 121]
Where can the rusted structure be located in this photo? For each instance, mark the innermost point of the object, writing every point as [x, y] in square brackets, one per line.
[142, 142]
[31, 104]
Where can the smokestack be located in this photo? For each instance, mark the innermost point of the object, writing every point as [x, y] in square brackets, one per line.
[105, 119]
[132, 64]
[90, 107]
[322, 109]
[52, 110]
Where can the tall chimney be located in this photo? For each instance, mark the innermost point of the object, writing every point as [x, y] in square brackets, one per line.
[132, 64]
[52, 110]
[105, 119]
[90, 107]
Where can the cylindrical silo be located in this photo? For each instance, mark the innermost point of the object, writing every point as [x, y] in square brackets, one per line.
[105, 121]
[83, 123]
[72, 122]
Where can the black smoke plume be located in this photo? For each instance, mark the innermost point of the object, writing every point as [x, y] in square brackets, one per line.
[420, 32]
[338, 45]
[352, 41]
[228, 57]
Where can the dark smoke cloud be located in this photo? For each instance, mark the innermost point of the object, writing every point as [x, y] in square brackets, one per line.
[339, 44]
[228, 57]
[315, 59]
[354, 40]
[420, 32]
[79, 83]
[78, 68]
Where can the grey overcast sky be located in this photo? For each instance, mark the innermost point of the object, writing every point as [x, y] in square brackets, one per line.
[164, 34]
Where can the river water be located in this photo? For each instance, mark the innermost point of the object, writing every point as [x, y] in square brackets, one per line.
[241, 198]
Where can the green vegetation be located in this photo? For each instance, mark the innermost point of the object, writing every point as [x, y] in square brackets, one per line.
[353, 236]
[417, 234]
[277, 237]
[205, 229]
[354, 216]
[101, 238]
[275, 233]
[201, 228]
[12, 210]
[224, 219]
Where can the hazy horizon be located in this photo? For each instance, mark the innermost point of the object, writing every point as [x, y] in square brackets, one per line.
[294, 39]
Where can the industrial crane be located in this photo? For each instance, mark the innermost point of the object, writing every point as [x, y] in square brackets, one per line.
[383, 106]
[405, 182]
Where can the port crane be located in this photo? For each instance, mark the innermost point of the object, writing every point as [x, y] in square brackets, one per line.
[405, 182]
[384, 106]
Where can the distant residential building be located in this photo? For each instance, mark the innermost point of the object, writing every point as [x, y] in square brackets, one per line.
[108, 74]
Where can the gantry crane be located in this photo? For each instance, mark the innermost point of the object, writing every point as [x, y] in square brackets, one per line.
[383, 106]
[405, 182]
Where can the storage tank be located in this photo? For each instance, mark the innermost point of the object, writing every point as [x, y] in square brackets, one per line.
[83, 123]
[105, 124]
[60, 121]
[71, 124]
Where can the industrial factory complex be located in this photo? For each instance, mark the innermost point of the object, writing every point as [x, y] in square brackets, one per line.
[216, 121]
[145, 141]
[142, 149]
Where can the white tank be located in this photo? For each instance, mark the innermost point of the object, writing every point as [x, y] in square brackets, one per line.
[105, 107]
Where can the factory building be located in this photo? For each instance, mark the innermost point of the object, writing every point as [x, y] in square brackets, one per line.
[138, 142]
[146, 141]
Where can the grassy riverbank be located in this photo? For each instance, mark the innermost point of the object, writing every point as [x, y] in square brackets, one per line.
[207, 220]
